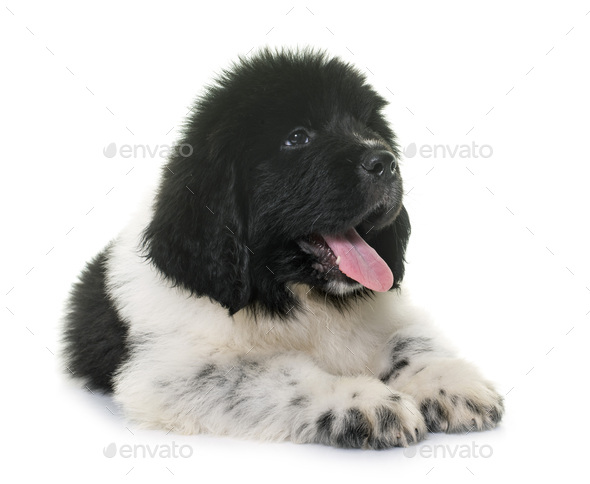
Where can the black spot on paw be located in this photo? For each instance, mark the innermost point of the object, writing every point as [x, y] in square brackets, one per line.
[394, 370]
[434, 415]
[495, 415]
[388, 427]
[402, 349]
[355, 430]
[387, 421]
[324, 426]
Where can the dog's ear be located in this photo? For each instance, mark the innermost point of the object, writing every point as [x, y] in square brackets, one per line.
[196, 237]
[391, 242]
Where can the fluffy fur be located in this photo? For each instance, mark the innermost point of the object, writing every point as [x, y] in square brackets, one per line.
[222, 308]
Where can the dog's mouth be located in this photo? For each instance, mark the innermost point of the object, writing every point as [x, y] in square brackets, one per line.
[347, 255]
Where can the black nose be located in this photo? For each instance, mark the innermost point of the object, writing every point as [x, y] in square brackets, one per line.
[379, 163]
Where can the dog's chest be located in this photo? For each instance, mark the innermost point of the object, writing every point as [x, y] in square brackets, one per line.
[344, 344]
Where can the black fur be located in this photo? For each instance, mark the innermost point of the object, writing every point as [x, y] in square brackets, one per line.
[355, 430]
[95, 338]
[229, 218]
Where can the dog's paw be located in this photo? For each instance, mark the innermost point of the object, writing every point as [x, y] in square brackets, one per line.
[372, 417]
[396, 423]
[453, 397]
[474, 409]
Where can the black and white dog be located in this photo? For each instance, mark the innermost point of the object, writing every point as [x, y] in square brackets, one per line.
[257, 294]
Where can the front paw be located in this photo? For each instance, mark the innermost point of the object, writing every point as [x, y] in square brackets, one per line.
[462, 412]
[453, 397]
[369, 417]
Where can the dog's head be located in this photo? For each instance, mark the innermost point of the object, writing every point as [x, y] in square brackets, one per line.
[293, 178]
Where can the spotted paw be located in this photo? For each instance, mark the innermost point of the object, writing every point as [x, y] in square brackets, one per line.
[369, 420]
[453, 397]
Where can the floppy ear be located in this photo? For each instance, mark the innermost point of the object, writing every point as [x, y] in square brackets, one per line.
[196, 235]
[391, 242]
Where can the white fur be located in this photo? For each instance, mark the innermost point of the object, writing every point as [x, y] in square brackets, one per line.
[325, 360]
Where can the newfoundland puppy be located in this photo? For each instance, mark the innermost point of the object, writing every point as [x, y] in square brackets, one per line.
[257, 294]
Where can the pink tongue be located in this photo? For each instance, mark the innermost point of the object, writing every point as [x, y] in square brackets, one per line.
[359, 261]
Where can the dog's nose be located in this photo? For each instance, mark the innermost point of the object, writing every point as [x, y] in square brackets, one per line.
[379, 163]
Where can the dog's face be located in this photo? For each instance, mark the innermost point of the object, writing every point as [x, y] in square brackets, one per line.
[294, 178]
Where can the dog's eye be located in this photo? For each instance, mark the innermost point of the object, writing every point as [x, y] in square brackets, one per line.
[297, 137]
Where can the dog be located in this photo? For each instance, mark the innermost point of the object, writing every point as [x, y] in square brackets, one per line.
[258, 294]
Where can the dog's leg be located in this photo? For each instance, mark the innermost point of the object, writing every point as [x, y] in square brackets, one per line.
[280, 397]
[450, 392]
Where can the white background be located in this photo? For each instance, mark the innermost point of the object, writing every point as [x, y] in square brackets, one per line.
[498, 256]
